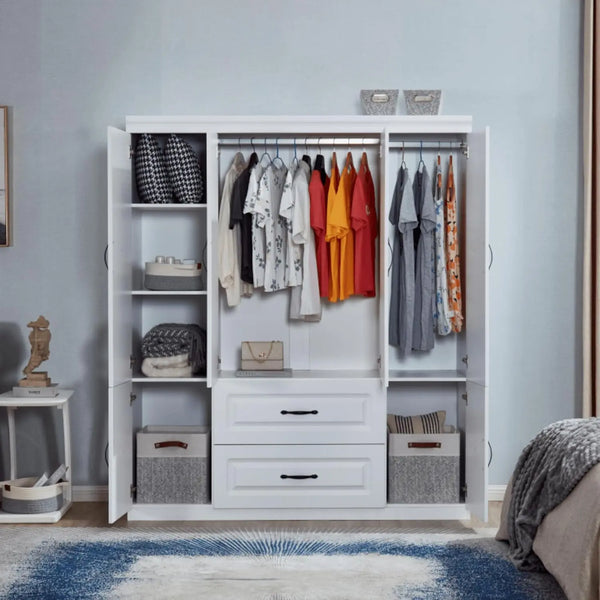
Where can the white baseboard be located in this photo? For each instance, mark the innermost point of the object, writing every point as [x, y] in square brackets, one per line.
[99, 493]
[496, 493]
[90, 493]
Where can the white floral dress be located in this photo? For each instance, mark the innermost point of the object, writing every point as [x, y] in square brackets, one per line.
[267, 214]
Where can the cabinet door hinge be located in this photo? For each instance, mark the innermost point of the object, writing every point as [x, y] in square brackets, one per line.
[131, 362]
[132, 490]
[465, 149]
[132, 398]
[465, 397]
[465, 359]
[130, 152]
[465, 490]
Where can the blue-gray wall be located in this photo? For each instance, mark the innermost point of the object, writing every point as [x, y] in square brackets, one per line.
[69, 68]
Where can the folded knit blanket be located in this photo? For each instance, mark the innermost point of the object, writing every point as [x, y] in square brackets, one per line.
[175, 339]
[548, 469]
[170, 366]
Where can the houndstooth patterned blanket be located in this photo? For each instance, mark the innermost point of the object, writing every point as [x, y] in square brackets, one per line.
[172, 339]
[548, 469]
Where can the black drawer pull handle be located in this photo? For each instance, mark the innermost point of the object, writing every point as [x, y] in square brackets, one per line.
[299, 412]
[313, 476]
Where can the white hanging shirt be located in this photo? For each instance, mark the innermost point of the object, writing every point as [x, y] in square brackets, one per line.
[293, 257]
[228, 249]
[258, 232]
[305, 302]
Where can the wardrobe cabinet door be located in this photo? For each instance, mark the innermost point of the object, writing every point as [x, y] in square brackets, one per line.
[384, 257]
[120, 451]
[119, 256]
[476, 258]
[476, 456]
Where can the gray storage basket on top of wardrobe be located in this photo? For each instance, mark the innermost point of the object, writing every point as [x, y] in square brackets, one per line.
[172, 175]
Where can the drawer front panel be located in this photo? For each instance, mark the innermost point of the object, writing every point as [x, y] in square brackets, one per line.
[299, 476]
[303, 413]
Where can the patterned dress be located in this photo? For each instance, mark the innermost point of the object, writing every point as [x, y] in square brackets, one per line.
[442, 315]
[452, 255]
[268, 217]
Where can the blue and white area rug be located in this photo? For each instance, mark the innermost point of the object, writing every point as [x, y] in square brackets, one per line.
[254, 564]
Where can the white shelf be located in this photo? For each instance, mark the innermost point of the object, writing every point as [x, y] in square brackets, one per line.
[144, 206]
[427, 376]
[206, 512]
[140, 378]
[9, 399]
[312, 374]
[50, 517]
[168, 293]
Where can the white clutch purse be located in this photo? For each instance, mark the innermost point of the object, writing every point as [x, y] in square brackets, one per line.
[262, 356]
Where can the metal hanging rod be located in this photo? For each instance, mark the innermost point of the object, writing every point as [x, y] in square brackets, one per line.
[428, 144]
[418, 145]
[299, 141]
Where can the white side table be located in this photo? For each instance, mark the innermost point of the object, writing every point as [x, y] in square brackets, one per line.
[61, 402]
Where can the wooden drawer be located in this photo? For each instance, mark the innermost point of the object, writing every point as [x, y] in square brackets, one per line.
[299, 412]
[299, 476]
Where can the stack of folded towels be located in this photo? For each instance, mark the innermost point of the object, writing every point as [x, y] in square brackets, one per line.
[174, 350]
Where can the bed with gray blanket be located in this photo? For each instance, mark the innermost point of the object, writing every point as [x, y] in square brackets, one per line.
[551, 511]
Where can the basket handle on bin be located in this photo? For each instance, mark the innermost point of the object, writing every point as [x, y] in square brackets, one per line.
[171, 444]
[424, 445]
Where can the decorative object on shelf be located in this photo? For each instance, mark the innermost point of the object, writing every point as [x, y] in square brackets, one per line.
[4, 221]
[174, 350]
[152, 179]
[423, 102]
[262, 356]
[39, 338]
[379, 102]
[173, 274]
[183, 168]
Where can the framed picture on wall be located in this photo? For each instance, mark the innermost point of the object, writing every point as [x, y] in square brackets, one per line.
[4, 220]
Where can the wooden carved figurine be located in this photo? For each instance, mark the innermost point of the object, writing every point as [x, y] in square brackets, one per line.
[39, 338]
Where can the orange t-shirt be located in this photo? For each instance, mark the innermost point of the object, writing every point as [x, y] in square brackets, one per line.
[331, 231]
[364, 223]
[346, 189]
[318, 222]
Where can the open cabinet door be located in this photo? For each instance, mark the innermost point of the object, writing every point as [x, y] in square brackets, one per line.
[384, 282]
[476, 457]
[212, 258]
[476, 326]
[476, 258]
[120, 451]
[119, 256]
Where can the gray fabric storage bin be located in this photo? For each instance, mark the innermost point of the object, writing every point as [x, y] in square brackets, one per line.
[172, 465]
[19, 497]
[424, 475]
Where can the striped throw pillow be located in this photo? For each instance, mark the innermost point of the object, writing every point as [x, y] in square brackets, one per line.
[429, 423]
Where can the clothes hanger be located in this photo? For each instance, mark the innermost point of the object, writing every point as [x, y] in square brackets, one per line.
[364, 160]
[439, 165]
[277, 157]
[295, 160]
[265, 153]
[421, 161]
[403, 163]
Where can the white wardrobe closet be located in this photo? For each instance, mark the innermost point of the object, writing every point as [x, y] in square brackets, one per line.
[324, 427]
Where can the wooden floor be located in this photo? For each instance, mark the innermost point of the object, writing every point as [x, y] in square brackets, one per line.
[94, 514]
